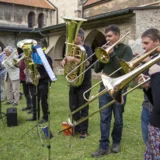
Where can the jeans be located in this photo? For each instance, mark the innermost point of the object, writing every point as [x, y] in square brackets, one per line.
[145, 117]
[105, 120]
[43, 88]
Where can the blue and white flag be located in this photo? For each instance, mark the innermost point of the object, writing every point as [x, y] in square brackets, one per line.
[40, 58]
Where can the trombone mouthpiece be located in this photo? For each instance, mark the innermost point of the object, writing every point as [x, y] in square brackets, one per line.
[104, 46]
[107, 42]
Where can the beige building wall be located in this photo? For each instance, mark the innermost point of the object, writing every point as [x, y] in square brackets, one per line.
[147, 19]
[113, 5]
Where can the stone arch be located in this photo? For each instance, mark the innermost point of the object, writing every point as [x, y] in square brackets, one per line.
[95, 39]
[59, 51]
[31, 19]
[41, 20]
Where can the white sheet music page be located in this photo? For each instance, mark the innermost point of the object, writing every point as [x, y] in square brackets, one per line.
[46, 64]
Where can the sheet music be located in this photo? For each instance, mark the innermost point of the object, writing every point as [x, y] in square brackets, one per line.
[46, 64]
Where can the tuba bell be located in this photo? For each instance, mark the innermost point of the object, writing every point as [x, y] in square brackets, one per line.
[31, 68]
[77, 51]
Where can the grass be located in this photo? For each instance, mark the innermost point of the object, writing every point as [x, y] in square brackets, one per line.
[14, 147]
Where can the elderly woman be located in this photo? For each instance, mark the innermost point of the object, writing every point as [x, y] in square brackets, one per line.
[12, 77]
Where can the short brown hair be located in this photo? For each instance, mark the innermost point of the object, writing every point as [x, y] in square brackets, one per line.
[152, 33]
[114, 28]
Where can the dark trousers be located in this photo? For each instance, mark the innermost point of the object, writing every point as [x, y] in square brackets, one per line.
[105, 120]
[43, 88]
[33, 91]
[76, 100]
[26, 92]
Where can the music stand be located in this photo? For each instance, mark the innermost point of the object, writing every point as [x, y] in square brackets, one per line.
[37, 110]
[46, 130]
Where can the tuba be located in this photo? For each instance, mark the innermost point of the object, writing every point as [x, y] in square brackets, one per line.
[77, 51]
[31, 68]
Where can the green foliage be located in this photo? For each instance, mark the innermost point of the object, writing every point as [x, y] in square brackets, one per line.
[14, 147]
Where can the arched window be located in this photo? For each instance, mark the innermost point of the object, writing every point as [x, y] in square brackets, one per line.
[40, 20]
[31, 19]
[95, 39]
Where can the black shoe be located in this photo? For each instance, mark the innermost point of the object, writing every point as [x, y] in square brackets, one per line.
[115, 148]
[42, 121]
[30, 112]
[31, 119]
[15, 104]
[100, 152]
[83, 134]
[8, 103]
[26, 108]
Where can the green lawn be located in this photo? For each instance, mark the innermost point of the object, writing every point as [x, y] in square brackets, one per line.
[14, 147]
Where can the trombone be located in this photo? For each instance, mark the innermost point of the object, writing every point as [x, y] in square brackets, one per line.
[102, 55]
[115, 87]
[126, 66]
[9, 61]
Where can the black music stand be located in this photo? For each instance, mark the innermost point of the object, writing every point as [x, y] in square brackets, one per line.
[45, 129]
[37, 110]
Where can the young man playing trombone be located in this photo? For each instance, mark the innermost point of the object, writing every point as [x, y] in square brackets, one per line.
[150, 40]
[120, 51]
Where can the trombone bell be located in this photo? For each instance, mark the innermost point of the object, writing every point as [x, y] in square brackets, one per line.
[102, 55]
[128, 66]
[116, 85]
[113, 90]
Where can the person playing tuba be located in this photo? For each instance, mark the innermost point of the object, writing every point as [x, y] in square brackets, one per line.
[76, 93]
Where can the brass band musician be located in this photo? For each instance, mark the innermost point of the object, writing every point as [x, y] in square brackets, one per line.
[112, 34]
[76, 93]
[12, 77]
